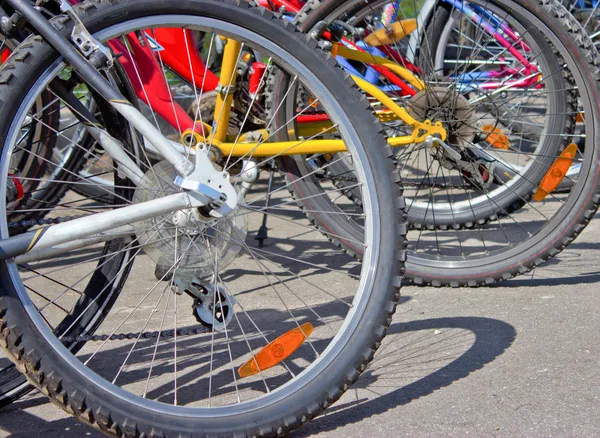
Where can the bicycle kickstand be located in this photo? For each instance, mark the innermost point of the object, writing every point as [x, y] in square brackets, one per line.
[263, 231]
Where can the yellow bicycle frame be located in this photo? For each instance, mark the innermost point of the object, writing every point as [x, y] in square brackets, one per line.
[263, 148]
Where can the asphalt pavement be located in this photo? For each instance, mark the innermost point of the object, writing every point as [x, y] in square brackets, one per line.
[518, 359]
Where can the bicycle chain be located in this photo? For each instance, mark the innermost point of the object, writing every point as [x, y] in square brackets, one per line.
[405, 183]
[139, 335]
[49, 221]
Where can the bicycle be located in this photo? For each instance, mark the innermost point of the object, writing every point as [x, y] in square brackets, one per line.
[151, 86]
[324, 142]
[190, 217]
[498, 201]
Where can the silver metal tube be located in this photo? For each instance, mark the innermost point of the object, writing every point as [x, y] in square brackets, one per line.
[183, 166]
[55, 251]
[98, 223]
[126, 165]
[178, 146]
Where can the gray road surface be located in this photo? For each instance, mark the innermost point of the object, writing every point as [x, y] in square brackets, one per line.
[517, 359]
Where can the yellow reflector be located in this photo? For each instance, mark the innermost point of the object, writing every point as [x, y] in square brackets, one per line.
[392, 34]
[580, 118]
[277, 351]
[556, 173]
[496, 137]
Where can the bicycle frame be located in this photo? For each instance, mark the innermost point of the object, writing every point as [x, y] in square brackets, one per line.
[206, 185]
[502, 33]
[311, 146]
[308, 127]
[204, 192]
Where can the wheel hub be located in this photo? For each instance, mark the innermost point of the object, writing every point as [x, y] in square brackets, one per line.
[449, 107]
[190, 239]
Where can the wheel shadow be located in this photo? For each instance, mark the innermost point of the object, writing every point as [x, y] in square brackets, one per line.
[575, 265]
[412, 355]
[585, 278]
[417, 358]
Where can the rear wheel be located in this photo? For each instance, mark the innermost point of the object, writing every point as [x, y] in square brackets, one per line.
[486, 216]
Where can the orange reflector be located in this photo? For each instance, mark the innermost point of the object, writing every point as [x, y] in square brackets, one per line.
[496, 137]
[335, 48]
[556, 173]
[580, 118]
[392, 34]
[276, 351]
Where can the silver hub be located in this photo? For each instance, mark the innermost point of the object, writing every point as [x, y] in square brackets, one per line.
[189, 238]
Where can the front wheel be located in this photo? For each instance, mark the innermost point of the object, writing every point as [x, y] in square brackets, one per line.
[210, 335]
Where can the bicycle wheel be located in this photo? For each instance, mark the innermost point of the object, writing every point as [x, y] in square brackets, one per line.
[183, 349]
[482, 217]
[518, 113]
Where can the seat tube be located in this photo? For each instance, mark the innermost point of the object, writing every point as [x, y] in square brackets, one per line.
[225, 96]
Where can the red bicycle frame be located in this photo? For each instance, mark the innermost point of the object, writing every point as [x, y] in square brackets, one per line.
[293, 6]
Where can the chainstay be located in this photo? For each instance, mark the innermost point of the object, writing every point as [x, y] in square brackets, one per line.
[115, 336]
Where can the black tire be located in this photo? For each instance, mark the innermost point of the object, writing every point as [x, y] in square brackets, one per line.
[97, 404]
[566, 224]
[562, 110]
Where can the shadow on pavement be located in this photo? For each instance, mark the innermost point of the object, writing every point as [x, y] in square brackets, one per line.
[417, 358]
[585, 278]
[16, 422]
